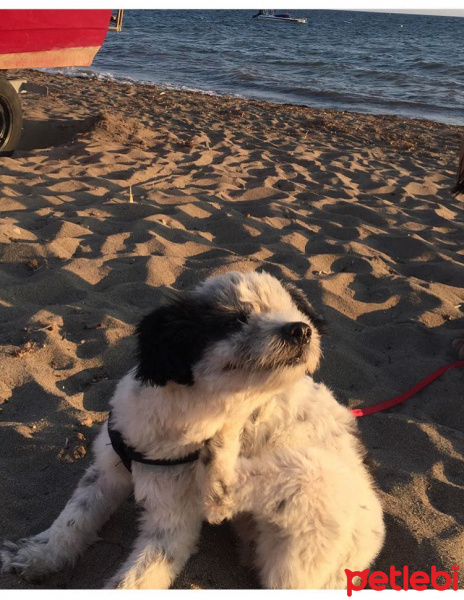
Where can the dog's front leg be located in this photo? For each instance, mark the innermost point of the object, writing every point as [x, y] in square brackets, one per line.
[217, 477]
[170, 527]
[105, 484]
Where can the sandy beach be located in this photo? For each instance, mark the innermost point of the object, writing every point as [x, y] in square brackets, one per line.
[120, 192]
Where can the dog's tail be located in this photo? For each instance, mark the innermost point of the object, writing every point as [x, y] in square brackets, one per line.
[459, 187]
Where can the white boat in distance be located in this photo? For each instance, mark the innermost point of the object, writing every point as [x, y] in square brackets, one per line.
[269, 15]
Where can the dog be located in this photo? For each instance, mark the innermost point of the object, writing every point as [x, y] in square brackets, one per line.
[235, 350]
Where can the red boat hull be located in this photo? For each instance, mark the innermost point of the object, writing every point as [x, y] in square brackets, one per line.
[51, 38]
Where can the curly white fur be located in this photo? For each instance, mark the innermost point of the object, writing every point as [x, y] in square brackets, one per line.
[314, 504]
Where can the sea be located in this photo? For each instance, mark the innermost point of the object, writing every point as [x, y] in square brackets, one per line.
[379, 63]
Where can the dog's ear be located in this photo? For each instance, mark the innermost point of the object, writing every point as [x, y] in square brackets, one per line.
[303, 305]
[164, 353]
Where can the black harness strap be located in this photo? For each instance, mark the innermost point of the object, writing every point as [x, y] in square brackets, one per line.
[128, 455]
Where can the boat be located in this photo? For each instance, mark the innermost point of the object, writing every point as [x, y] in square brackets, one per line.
[32, 38]
[51, 38]
[271, 15]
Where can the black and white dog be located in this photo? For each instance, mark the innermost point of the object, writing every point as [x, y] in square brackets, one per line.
[226, 363]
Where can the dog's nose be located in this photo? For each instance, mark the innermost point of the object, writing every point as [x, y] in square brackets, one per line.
[297, 332]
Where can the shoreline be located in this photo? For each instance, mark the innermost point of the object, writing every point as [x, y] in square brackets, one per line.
[119, 193]
[385, 131]
[129, 81]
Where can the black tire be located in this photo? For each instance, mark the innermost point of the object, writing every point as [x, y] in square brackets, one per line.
[11, 118]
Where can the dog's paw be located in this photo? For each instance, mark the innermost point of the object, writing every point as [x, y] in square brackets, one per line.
[218, 502]
[218, 514]
[29, 558]
[7, 551]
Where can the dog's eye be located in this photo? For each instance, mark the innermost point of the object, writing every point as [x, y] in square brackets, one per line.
[245, 311]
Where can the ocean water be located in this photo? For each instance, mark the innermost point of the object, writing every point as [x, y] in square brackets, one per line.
[406, 65]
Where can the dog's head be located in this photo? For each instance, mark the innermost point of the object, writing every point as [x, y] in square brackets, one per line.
[241, 328]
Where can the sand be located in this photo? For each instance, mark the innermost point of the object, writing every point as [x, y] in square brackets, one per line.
[354, 209]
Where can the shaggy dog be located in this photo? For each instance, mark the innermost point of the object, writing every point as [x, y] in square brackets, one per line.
[225, 362]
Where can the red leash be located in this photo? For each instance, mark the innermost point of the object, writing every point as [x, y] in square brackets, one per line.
[370, 410]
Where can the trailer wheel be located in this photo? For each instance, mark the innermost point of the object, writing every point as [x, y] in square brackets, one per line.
[11, 118]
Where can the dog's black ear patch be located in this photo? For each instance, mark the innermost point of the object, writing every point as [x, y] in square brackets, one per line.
[173, 338]
[303, 305]
[165, 348]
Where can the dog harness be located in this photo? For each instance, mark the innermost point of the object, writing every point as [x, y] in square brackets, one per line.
[127, 454]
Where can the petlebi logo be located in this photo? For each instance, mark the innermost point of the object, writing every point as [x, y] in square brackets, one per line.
[401, 580]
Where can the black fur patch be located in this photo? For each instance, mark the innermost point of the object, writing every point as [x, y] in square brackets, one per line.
[303, 305]
[173, 338]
